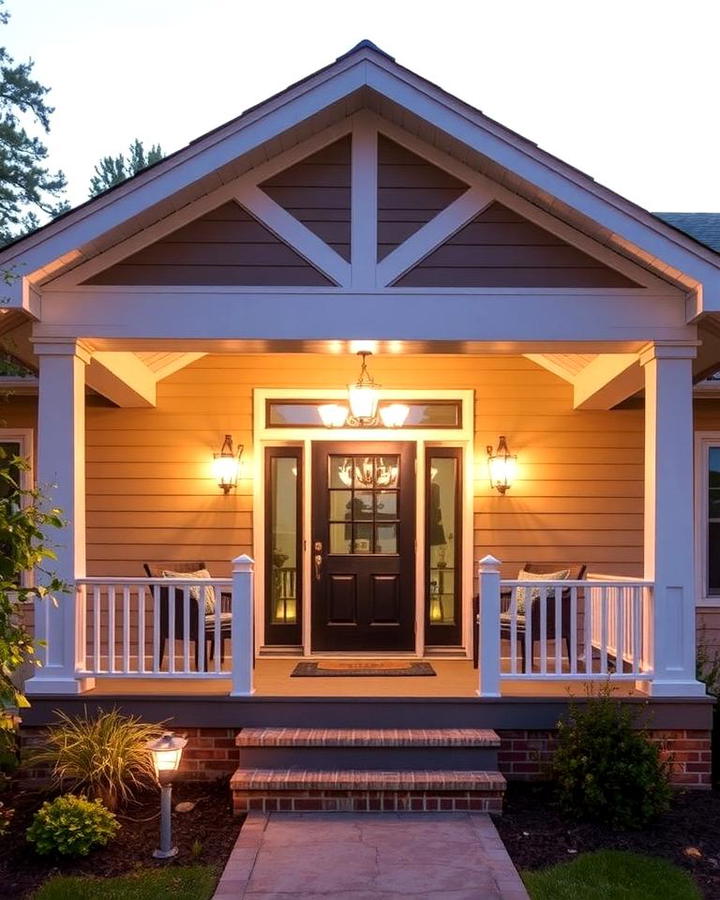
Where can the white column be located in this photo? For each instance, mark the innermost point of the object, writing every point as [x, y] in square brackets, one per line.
[488, 626]
[669, 558]
[243, 645]
[61, 477]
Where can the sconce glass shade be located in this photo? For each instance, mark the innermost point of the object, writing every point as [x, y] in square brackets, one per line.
[333, 415]
[394, 415]
[502, 466]
[226, 465]
[166, 754]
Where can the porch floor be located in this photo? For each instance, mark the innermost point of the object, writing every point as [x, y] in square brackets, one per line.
[454, 678]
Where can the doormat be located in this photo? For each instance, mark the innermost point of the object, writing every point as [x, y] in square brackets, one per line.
[330, 668]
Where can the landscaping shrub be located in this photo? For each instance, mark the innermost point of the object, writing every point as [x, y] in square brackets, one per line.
[607, 770]
[103, 757]
[71, 826]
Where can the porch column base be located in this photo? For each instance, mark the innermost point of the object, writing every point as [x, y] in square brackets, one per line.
[689, 688]
[486, 693]
[242, 693]
[60, 685]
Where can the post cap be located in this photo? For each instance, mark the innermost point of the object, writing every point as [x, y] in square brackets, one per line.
[488, 564]
[243, 563]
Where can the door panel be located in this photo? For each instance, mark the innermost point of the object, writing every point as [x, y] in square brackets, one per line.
[363, 515]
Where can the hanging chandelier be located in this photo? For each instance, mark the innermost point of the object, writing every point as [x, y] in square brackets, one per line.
[363, 409]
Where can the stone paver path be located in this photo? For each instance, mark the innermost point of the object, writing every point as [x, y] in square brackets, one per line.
[369, 856]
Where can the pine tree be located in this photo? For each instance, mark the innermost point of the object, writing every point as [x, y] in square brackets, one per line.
[27, 188]
[111, 170]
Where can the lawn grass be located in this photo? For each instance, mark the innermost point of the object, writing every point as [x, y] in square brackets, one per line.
[611, 874]
[178, 882]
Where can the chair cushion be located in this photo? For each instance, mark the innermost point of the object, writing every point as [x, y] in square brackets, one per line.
[523, 595]
[200, 574]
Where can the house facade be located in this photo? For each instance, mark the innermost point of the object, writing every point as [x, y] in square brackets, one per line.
[529, 482]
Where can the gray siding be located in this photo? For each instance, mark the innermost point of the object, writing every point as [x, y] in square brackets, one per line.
[500, 248]
[224, 247]
[317, 192]
[411, 192]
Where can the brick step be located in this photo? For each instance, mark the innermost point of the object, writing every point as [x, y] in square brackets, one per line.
[367, 737]
[366, 790]
[320, 749]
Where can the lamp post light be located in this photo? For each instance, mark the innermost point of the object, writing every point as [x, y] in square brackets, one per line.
[166, 753]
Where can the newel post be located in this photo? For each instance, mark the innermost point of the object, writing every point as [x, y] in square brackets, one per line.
[243, 644]
[488, 573]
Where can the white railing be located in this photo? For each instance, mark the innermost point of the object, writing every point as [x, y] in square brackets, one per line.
[155, 626]
[593, 629]
[168, 627]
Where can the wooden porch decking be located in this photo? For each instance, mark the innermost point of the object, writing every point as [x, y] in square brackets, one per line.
[455, 678]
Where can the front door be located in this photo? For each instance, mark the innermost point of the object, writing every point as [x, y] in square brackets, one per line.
[363, 546]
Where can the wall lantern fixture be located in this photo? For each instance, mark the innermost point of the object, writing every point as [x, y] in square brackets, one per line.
[166, 753]
[363, 409]
[501, 466]
[226, 465]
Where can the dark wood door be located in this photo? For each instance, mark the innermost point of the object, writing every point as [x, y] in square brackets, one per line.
[363, 550]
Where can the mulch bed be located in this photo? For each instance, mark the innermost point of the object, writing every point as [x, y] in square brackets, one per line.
[537, 836]
[204, 836]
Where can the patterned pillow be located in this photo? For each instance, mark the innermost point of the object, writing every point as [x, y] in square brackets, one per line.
[521, 593]
[209, 591]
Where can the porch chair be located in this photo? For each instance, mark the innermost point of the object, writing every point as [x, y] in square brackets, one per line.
[576, 572]
[155, 570]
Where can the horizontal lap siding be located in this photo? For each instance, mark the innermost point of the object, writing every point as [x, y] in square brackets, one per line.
[317, 192]
[500, 248]
[151, 494]
[411, 192]
[224, 247]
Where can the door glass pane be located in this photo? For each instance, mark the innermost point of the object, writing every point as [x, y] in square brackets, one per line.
[340, 538]
[442, 539]
[283, 529]
[363, 520]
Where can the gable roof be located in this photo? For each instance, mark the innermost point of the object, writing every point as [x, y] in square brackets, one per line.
[366, 77]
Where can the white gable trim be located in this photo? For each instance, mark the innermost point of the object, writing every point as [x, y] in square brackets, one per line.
[662, 247]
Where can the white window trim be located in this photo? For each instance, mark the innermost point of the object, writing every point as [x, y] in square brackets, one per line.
[424, 438]
[704, 440]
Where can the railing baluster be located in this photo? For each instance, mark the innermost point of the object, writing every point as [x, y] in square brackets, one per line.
[573, 630]
[588, 608]
[111, 630]
[543, 627]
[603, 631]
[528, 632]
[97, 660]
[140, 590]
[126, 629]
[156, 627]
[558, 629]
[186, 628]
[512, 609]
[172, 599]
[217, 633]
[202, 635]
[620, 625]
[637, 633]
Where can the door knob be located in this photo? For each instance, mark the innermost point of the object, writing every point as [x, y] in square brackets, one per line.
[317, 559]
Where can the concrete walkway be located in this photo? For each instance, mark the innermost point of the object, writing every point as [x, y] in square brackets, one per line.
[369, 856]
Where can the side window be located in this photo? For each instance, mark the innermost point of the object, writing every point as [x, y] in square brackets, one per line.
[712, 525]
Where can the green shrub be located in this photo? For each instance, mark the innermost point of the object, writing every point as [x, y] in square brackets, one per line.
[103, 757]
[607, 770]
[71, 826]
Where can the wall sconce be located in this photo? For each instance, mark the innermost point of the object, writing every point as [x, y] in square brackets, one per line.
[226, 465]
[501, 466]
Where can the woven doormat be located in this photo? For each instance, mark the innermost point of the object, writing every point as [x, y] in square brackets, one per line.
[360, 669]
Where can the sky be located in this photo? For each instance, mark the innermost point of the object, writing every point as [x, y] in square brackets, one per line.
[625, 90]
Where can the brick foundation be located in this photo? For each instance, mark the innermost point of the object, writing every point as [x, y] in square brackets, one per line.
[527, 755]
[523, 755]
[366, 801]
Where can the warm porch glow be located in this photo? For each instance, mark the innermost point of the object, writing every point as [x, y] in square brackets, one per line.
[394, 416]
[226, 465]
[502, 466]
[333, 415]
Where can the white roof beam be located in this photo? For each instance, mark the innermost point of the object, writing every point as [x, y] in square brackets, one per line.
[122, 378]
[607, 380]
